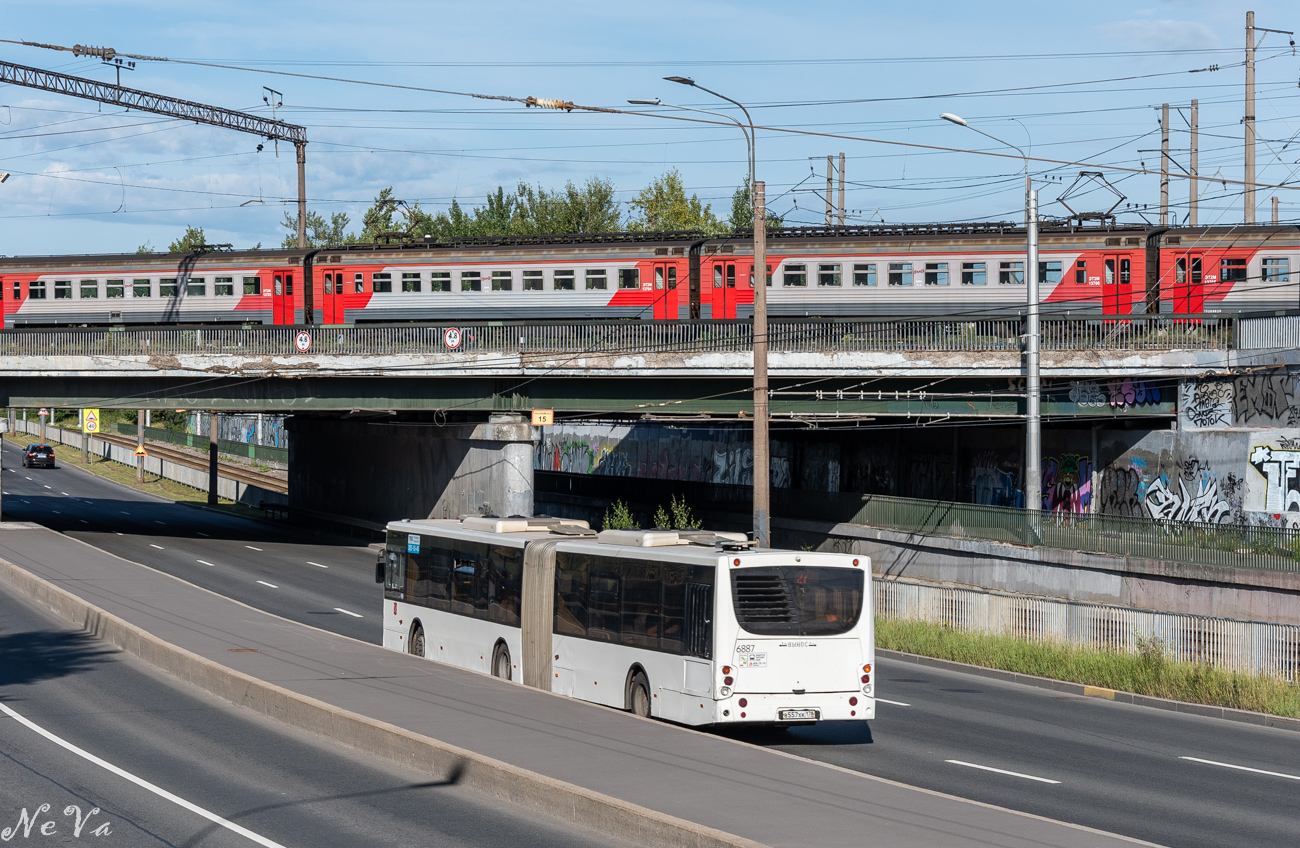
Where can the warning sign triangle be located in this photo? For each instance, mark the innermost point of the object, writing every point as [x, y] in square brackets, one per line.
[139, 451]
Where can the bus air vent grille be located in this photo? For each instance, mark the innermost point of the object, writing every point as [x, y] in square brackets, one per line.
[762, 599]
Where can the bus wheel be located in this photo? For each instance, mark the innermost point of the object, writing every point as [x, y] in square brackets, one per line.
[501, 661]
[638, 695]
[416, 644]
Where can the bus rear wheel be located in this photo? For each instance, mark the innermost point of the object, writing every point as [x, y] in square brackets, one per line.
[638, 695]
[501, 662]
[416, 645]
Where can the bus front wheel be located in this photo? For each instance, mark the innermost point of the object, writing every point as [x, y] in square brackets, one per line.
[416, 644]
[638, 695]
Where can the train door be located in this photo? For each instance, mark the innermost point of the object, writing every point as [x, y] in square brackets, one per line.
[1117, 285]
[282, 306]
[665, 290]
[332, 290]
[723, 281]
[1189, 287]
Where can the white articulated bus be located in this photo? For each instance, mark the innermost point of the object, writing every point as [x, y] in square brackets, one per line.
[690, 626]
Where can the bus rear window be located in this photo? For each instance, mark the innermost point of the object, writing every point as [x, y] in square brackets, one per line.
[793, 600]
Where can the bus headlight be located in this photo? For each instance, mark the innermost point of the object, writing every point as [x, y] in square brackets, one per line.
[725, 691]
[866, 690]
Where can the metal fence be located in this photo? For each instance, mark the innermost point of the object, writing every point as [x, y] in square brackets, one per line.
[1270, 331]
[1251, 647]
[192, 440]
[1163, 332]
[1226, 545]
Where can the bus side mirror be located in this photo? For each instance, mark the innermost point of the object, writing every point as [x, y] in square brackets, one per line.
[379, 568]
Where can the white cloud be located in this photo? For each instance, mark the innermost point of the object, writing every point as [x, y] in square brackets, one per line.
[1162, 35]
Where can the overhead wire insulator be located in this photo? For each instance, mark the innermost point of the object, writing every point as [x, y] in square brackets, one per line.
[105, 53]
[546, 103]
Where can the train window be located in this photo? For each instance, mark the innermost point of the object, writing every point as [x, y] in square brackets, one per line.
[731, 275]
[89, 289]
[1081, 272]
[439, 281]
[503, 281]
[410, 281]
[828, 275]
[222, 287]
[596, 279]
[532, 280]
[470, 281]
[900, 273]
[1011, 273]
[629, 278]
[288, 285]
[18, 289]
[62, 289]
[672, 276]
[974, 274]
[864, 274]
[329, 282]
[1277, 270]
[382, 283]
[1232, 271]
[659, 277]
[936, 273]
[36, 290]
[564, 281]
[141, 288]
[795, 275]
[252, 285]
[196, 287]
[1049, 272]
[278, 286]
[115, 288]
[1124, 272]
[358, 283]
[717, 276]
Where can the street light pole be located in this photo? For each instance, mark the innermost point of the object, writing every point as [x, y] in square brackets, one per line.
[1033, 384]
[762, 446]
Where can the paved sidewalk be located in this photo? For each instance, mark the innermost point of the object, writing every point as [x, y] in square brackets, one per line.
[766, 796]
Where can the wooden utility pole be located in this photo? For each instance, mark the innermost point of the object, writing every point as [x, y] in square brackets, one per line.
[1249, 119]
[1194, 194]
[841, 209]
[1164, 165]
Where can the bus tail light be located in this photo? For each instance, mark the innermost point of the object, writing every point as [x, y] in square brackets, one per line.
[744, 702]
[853, 702]
[726, 669]
[866, 678]
[867, 668]
[728, 680]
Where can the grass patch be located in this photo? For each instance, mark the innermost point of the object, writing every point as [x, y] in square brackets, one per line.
[1149, 672]
[154, 484]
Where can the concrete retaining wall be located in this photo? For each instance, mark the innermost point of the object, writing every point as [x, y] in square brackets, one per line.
[192, 477]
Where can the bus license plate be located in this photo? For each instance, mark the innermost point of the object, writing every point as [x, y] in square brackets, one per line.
[797, 715]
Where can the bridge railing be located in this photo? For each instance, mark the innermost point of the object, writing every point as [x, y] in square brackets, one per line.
[802, 335]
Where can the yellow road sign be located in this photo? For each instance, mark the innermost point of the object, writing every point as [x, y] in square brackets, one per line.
[139, 451]
[90, 420]
[543, 417]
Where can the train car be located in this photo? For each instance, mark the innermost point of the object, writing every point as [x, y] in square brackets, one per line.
[889, 271]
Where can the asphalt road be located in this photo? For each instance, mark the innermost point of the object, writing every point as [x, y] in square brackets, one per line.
[1165, 777]
[242, 769]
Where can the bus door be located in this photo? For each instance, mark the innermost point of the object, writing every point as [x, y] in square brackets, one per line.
[1189, 287]
[332, 302]
[1117, 285]
[665, 290]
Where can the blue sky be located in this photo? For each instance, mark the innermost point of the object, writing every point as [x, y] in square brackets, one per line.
[90, 179]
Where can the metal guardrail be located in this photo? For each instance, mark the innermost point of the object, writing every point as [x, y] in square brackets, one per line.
[1251, 647]
[191, 440]
[1154, 333]
[1224, 545]
[1269, 331]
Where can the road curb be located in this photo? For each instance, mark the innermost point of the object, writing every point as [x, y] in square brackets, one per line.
[528, 790]
[1226, 713]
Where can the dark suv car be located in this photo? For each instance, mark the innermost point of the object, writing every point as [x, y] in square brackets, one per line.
[38, 455]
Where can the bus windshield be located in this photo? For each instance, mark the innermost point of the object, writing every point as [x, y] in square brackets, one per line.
[791, 600]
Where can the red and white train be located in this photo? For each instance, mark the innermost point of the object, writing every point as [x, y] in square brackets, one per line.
[910, 270]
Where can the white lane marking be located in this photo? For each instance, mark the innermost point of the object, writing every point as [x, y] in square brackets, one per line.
[51, 488]
[204, 562]
[159, 547]
[345, 612]
[201, 533]
[1242, 768]
[895, 703]
[65, 494]
[141, 782]
[29, 478]
[251, 548]
[119, 533]
[272, 585]
[1001, 771]
[317, 564]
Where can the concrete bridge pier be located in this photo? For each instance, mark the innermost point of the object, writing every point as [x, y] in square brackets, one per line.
[382, 469]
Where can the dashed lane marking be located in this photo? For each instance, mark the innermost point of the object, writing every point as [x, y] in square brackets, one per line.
[1242, 768]
[895, 703]
[159, 547]
[347, 612]
[204, 562]
[1001, 771]
[251, 548]
[317, 564]
[272, 585]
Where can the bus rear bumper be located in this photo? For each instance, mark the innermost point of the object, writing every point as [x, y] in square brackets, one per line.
[795, 709]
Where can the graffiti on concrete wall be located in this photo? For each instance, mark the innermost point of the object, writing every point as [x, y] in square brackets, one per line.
[1206, 403]
[1202, 503]
[1087, 393]
[1067, 484]
[1280, 468]
[1265, 400]
[1128, 392]
[1121, 492]
[993, 480]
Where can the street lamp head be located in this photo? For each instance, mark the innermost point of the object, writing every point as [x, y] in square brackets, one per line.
[681, 80]
[4, 175]
[654, 102]
[956, 119]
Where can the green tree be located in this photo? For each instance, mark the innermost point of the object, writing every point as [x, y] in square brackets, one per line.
[742, 211]
[589, 209]
[189, 242]
[663, 205]
[320, 233]
[145, 248]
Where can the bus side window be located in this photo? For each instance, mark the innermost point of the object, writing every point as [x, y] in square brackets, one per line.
[506, 585]
[571, 594]
[603, 605]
